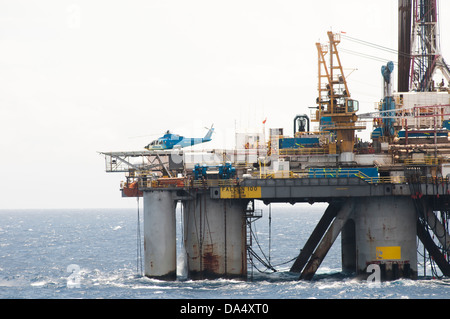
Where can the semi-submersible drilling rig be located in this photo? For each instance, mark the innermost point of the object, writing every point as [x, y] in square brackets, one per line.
[382, 194]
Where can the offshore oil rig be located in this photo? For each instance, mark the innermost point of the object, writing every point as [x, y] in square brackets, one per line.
[382, 195]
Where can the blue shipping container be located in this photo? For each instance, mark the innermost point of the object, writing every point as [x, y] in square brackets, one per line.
[300, 142]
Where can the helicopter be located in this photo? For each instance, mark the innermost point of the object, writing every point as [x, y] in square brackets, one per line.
[174, 141]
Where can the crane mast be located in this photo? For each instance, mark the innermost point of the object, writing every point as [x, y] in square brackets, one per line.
[336, 111]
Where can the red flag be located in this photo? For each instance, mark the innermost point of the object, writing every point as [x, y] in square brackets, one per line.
[264, 122]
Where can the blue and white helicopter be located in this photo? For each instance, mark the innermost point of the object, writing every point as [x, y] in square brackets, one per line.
[173, 141]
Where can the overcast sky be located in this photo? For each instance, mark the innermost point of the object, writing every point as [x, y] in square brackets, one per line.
[78, 77]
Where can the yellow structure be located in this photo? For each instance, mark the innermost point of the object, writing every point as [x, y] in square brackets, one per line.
[336, 111]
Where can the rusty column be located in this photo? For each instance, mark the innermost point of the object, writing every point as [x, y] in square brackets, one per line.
[215, 237]
[385, 234]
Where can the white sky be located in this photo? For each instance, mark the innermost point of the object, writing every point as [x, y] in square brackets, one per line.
[77, 77]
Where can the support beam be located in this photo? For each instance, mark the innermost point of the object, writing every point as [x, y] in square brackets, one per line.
[328, 240]
[128, 164]
[315, 237]
[163, 166]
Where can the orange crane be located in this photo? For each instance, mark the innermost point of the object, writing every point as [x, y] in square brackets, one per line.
[336, 111]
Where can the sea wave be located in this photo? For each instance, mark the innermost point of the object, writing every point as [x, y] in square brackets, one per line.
[34, 264]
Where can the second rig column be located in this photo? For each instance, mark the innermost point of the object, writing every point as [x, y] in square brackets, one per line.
[160, 235]
[215, 237]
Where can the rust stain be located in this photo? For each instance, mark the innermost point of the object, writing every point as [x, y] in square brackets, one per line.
[211, 261]
[195, 252]
[369, 236]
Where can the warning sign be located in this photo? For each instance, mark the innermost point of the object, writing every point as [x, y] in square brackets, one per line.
[389, 253]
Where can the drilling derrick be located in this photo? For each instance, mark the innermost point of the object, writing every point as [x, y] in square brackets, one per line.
[425, 50]
[424, 46]
[404, 44]
[336, 111]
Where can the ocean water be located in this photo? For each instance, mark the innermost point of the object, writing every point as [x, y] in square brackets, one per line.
[92, 254]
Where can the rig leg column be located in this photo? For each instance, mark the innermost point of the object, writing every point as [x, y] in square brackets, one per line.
[215, 238]
[159, 235]
[385, 234]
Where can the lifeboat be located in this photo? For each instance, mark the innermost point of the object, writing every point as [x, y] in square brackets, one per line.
[131, 190]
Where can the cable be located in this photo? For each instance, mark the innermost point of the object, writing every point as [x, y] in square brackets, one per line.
[414, 185]
[267, 263]
[270, 230]
[268, 266]
[139, 268]
[374, 46]
[367, 56]
[264, 260]
[377, 46]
